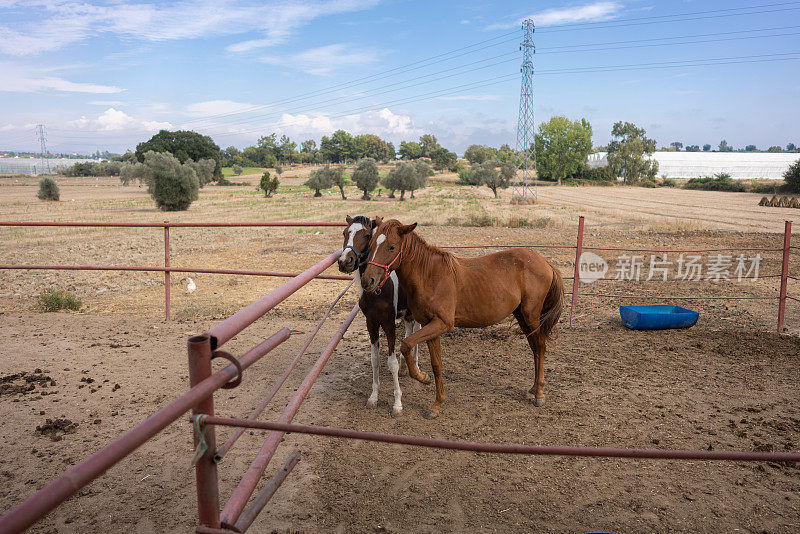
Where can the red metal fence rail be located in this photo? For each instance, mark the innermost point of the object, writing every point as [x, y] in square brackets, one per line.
[167, 269]
[786, 249]
[201, 350]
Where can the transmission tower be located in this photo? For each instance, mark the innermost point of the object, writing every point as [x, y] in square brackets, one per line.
[42, 138]
[525, 187]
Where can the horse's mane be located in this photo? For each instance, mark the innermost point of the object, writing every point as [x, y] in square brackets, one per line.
[423, 252]
[363, 219]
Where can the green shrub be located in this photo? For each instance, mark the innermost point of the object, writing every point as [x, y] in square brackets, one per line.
[135, 171]
[237, 170]
[466, 177]
[174, 186]
[668, 182]
[596, 174]
[268, 185]
[719, 182]
[792, 177]
[51, 300]
[48, 189]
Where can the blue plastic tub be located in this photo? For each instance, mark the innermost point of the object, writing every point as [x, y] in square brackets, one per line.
[657, 317]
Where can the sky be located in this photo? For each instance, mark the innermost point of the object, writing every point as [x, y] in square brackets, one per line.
[107, 75]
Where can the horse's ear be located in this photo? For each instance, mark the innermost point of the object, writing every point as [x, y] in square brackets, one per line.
[349, 220]
[378, 221]
[403, 230]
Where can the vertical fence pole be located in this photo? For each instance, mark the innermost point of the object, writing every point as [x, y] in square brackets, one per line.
[577, 275]
[205, 468]
[166, 273]
[787, 239]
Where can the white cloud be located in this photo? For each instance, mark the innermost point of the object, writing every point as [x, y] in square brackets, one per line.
[113, 120]
[215, 107]
[384, 123]
[7, 128]
[57, 24]
[322, 60]
[595, 12]
[24, 79]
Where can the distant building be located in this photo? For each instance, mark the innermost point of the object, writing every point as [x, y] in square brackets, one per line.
[740, 165]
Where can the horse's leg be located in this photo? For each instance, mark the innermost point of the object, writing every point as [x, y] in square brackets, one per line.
[409, 326]
[435, 348]
[538, 346]
[432, 330]
[415, 326]
[374, 338]
[394, 366]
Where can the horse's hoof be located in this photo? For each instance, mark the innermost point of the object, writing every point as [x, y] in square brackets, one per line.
[372, 403]
[431, 415]
[425, 378]
[537, 401]
[397, 413]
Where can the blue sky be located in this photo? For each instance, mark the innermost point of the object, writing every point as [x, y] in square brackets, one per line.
[106, 75]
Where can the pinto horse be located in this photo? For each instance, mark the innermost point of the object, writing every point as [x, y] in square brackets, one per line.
[445, 291]
[381, 310]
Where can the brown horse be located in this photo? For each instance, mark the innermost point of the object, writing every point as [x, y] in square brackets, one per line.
[445, 291]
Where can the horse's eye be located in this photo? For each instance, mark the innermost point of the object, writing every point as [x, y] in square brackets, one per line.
[391, 247]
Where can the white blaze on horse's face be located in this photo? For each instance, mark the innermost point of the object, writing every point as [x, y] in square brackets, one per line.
[352, 230]
[378, 242]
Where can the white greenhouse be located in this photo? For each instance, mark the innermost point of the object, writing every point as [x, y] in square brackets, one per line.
[740, 165]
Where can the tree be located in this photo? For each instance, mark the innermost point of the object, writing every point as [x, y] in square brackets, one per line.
[237, 170]
[372, 146]
[479, 153]
[562, 146]
[366, 176]
[410, 150]
[286, 152]
[48, 189]
[421, 172]
[693, 148]
[677, 145]
[337, 148]
[792, 176]
[184, 145]
[724, 146]
[204, 169]
[173, 186]
[318, 180]
[750, 148]
[268, 185]
[790, 147]
[443, 159]
[506, 154]
[706, 147]
[229, 156]
[135, 171]
[402, 177]
[775, 148]
[467, 177]
[486, 173]
[627, 151]
[337, 177]
[428, 145]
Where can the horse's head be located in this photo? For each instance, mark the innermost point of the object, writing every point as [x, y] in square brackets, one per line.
[385, 252]
[356, 243]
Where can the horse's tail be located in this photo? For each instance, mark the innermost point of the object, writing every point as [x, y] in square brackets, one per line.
[551, 308]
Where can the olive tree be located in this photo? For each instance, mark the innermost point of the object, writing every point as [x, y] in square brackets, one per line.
[319, 180]
[173, 186]
[268, 184]
[366, 176]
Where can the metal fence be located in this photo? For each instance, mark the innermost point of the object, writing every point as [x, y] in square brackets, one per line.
[238, 514]
[785, 248]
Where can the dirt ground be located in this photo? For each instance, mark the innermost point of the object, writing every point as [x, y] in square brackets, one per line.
[729, 383]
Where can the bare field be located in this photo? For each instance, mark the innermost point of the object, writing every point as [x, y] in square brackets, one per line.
[728, 383]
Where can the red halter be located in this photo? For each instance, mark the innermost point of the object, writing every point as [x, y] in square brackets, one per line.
[386, 267]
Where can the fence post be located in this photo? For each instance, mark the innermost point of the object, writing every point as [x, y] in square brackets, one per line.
[166, 273]
[576, 277]
[205, 468]
[787, 239]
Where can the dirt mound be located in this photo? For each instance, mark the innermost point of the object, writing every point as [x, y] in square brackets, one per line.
[23, 382]
[55, 429]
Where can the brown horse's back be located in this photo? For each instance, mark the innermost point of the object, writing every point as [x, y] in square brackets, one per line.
[514, 276]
